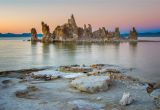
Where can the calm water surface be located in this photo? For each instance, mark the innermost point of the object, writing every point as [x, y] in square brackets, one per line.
[144, 56]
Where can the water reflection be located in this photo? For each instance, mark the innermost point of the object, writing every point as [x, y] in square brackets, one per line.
[35, 51]
[133, 53]
[142, 56]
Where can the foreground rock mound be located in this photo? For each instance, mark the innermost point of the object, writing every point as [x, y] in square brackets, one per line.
[92, 84]
[51, 75]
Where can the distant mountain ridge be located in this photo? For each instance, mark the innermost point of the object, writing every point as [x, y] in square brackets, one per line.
[146, 34]
[18, 35]
[150, 34]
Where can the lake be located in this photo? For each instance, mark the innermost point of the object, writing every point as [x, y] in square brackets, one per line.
[15, 53]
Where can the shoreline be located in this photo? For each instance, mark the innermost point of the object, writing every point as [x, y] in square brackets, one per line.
[96, 41]
[22, 72]
[59, 88]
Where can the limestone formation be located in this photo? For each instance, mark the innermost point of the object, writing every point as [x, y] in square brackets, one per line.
[90, 28]
[111, 36]
[80, 32]
[71, 32]
[101, 33]
[87, 31]
[68, 31]
[72, 24]
[133, 34]
[47, 36]
[117, 33]
[34, 34]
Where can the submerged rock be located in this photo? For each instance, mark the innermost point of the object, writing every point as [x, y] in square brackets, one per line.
[6, 81]
[27, 92]
[85, 105]
[127, 99]
[92, 84]
[156, 96]
[116, 109]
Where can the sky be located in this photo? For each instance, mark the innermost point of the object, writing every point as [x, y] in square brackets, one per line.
[19, 16]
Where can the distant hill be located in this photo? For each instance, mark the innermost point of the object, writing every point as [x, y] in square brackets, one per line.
[149, 34]
[17, 35]
[146, 34]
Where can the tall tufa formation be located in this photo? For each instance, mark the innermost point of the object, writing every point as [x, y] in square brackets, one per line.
[71, 32]
[73, 26]
[101, 33]
[117, 33]
[68, 31]
[133, 34]
[34, 35]
[47, 36]
[87, 31]
[72, 22]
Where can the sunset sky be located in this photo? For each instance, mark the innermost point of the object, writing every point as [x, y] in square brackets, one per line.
[18, 16]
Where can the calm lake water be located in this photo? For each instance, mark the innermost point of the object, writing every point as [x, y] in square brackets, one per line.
[143, 56]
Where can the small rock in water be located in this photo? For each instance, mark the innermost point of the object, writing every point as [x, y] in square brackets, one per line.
[99, 98]
[127, 99]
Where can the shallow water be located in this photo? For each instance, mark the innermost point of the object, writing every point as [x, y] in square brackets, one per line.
[144, 56]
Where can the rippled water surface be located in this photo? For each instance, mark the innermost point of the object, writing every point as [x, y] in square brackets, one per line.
[143, 56]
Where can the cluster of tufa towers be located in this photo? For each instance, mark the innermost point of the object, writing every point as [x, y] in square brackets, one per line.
[71, 32]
